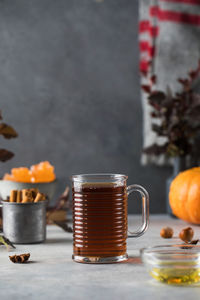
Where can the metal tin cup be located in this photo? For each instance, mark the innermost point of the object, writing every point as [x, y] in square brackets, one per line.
[24, 223]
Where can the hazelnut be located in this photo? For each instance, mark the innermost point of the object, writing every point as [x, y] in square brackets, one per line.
[186, 234]
[166, 233]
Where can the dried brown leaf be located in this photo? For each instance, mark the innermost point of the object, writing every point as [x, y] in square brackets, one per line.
[153, 79]
[194, 73]
[7, 131]
[146, 88]
[184, 81]
[5, 155]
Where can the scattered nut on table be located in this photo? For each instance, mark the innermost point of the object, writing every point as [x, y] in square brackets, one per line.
[186, 234]
[166, 233]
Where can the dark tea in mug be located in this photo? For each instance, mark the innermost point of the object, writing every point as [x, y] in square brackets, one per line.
[100, 220]
[100, 217]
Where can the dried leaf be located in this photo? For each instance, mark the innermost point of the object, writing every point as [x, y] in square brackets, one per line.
[157, 96]
[1, 115]
[194, 73]
[5, 155]
[64, 226]
[153, 79]
[146, 88]
[22, 258]
[7, 131]
[184, 82]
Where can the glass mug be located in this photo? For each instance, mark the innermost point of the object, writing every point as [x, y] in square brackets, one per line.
[100, 228]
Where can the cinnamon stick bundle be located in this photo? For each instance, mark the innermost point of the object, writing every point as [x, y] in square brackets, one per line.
[26, 195]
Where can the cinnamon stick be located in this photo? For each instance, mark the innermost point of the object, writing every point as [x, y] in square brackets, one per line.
[39, 197]
[26, 196]
[34, 192]
[13, 196]
[19, 196]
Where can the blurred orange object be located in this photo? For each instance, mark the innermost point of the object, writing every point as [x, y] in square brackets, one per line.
[42, 172]
[21, 174]
[184, 195]
[8, 177]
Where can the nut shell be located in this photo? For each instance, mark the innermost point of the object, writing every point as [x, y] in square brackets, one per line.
[186, 234]
[166, 233]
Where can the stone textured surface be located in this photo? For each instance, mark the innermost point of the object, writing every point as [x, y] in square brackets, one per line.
[51, 273]
[69, 83]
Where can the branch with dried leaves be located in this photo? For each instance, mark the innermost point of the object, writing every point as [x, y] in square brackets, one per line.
[61, 204]
[7, 132]
[178, 116]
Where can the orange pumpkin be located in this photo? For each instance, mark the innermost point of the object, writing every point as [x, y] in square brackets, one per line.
[184, 195]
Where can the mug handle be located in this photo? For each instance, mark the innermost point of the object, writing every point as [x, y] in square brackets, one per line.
[145, 209]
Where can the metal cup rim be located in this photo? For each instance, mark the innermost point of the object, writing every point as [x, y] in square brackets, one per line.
[23, 203]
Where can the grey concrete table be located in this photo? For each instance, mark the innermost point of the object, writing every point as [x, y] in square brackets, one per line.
[51, 273]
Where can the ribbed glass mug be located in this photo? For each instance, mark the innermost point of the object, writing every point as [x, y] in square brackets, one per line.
[100, 228]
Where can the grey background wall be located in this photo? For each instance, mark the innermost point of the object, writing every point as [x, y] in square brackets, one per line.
[69, 84]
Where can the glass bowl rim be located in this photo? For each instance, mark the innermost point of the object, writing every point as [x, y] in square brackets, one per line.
[155, 249]
[174, 253]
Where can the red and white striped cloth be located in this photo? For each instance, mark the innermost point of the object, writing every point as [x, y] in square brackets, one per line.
[169, 41]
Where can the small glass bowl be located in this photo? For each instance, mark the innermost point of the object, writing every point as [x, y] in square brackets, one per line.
[173, 264]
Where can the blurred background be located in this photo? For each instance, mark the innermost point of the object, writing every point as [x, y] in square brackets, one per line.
[69, 84]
